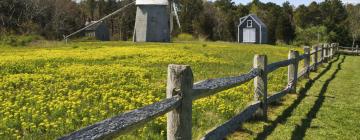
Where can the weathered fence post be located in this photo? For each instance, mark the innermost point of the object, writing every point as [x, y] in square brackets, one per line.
[315, 57]
[322, 54]
[357, 49]
[293, 69]
[260, 84]
[180, 82]
[307, 62]
[335, 49]
[326, 55]
[331, 50]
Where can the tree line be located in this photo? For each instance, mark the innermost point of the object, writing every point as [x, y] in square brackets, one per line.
[330, 20]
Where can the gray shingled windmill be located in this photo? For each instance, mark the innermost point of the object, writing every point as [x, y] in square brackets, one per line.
[154, 20]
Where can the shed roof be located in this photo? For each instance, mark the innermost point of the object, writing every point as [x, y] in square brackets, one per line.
[93, 27]
[152, 2]
[254, 17]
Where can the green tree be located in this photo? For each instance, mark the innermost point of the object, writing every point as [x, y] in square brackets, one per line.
[354, 22]
[312, 35]
[300, 16]
[65, 18]
[12, 14]
[126, 21]
[226, 20]
[91, 5]
[285, 28]
[308, 16]
[111, 6]
[334, 18]
[101, 10]
[255, 6]
[269, 13]
[207, 22]
[314, 16]
[189, 14]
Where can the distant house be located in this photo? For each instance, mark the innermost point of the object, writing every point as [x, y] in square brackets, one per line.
[99, 31]
[252, 30]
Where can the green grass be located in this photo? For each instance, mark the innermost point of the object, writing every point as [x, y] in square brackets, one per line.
[326, 107]
[17, 41]
[48, 89]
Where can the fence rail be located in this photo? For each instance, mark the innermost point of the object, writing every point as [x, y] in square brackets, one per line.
[350, 50]
[124, 122]
[212, 86]
[181, 92]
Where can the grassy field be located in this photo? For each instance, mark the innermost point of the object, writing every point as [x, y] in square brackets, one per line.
[48, 89]
[326, 107]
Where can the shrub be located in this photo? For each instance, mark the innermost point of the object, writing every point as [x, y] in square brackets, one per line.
[311, 35]
[184, 37]
[85, 39]
[15, 41]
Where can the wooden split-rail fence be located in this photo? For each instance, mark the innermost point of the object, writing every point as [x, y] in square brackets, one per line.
[350, 50]
[181, 92]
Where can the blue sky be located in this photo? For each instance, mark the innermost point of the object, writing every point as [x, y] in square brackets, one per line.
[294, 2]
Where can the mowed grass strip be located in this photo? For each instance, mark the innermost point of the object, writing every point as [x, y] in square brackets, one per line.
[325, 107]
[49, 89]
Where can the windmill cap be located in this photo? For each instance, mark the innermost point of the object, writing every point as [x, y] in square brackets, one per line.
[152, 2]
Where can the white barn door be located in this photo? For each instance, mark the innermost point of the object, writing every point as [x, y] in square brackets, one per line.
[249, 35]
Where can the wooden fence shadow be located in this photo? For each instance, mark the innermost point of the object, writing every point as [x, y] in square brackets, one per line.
[288, 111]
[300, 130]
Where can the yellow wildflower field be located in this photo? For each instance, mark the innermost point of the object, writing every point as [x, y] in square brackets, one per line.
[49, 89]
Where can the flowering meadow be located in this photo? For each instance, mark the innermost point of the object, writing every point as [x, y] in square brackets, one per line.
[49, 89]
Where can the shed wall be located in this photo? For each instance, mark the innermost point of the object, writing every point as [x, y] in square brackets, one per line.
[264, 31]
[99, 32]
[102, 33]
[244, 25]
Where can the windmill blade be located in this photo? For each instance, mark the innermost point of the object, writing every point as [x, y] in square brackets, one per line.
[102, 19]
[171, 16]
[176, 15]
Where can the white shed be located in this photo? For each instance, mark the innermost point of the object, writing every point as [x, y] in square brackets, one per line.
[252, 30]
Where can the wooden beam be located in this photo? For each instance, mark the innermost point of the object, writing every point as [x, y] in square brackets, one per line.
[315, 56]
[293, 69]
[212, 86]
[276, 65]
[277, 96]
[231, 125]
[123, 123]
[180, 83]
[260, 85]
[307, 62]
[322, 53]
